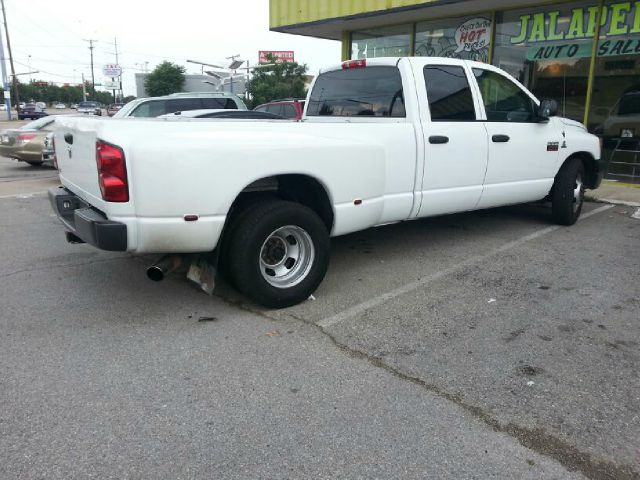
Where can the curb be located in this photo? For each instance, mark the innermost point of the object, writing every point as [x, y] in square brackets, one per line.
[618, 202]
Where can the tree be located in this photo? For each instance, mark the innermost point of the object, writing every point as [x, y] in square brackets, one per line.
[166, 78]
[282, 80]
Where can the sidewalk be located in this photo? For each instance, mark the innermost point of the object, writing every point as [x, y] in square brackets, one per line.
[616, 192]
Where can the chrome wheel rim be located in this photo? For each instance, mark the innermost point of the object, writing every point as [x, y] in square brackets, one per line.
[577, 193]
[286, 256]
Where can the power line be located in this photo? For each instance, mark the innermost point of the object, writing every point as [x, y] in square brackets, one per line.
[44, 71]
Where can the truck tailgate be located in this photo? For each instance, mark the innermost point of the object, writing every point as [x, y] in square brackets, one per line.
[75, 144]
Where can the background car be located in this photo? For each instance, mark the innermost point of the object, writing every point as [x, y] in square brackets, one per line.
[114, 108]
[48, 152]
[222, 113]
[89, 108]
[180, 102]
[291, 108]
[31, 111]
[59, 106]
[26, 143]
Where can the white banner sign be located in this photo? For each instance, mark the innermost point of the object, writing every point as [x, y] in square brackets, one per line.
[111, 70]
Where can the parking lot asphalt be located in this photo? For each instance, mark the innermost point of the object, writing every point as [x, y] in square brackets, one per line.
[483, 345]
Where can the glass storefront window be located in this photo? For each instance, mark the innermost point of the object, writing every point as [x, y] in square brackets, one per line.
[381, 42]
[615, 104]
[549, 50]
[468, 38]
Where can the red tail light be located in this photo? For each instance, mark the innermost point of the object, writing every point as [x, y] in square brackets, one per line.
[112, 172]
[26, 137]
[354, 64]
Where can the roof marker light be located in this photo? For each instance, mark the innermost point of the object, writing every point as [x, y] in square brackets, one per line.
[361, 63]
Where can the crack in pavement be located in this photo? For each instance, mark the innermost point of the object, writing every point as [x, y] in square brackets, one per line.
[535, 439]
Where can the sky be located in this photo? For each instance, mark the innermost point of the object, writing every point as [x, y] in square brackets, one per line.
[48, 36]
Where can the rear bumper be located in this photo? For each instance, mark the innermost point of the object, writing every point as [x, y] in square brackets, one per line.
[87, 224]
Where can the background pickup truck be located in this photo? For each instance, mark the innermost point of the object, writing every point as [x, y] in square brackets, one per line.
[382, 141]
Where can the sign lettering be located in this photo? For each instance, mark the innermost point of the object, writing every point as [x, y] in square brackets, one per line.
[618, 19]
[281, 55]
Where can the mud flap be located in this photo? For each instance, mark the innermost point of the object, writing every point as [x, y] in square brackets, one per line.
[203, 273]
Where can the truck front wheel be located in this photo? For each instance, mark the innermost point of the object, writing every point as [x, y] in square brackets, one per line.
[567, 195]
[278, 253]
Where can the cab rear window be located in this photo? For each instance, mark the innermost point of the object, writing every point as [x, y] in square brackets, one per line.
[358, 92]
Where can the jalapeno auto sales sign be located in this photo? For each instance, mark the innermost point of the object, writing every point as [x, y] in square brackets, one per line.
[561, 35]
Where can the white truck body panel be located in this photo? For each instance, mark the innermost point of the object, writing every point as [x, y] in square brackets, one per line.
[199, 168]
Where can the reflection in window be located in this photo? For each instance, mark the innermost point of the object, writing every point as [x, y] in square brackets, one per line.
[465, 38]
[548, 50]
[381, 42]
[449, 95]
[615, 104]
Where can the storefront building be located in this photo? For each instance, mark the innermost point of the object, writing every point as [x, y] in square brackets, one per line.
[584, 54]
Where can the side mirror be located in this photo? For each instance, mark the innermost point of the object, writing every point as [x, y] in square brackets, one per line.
[547, 109]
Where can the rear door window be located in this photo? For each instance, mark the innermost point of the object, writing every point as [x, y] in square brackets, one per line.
[149, 109]
[219, 103]
[289, 111]
[368, 92]
[275, 108]
[449, 94]
[183, 105]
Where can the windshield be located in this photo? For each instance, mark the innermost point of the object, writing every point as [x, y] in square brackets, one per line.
[87, 105]
[38, 124]
[629, 104]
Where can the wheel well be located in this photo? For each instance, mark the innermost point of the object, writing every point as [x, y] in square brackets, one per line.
[297, 188]
[590, 167]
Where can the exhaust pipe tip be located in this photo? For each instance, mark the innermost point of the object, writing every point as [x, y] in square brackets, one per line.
[155, 273]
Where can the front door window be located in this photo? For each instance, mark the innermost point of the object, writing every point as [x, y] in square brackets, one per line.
[503, 100]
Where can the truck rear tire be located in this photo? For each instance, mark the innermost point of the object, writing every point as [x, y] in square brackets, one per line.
[567, 196]
[278, 253]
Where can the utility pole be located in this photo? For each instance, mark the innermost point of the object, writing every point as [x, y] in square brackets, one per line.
[115, 44]
[13, 72]
[5, 83]
[91, 47]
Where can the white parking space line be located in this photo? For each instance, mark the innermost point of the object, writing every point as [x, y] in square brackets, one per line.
[385, 297]
[22, 195]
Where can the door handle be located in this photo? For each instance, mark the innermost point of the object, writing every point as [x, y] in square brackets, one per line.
[500, 138]
[438, 139]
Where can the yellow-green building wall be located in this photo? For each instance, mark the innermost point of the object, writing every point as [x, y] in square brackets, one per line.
[291, 12]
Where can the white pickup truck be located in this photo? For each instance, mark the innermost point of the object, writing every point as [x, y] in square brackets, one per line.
[382, 140]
